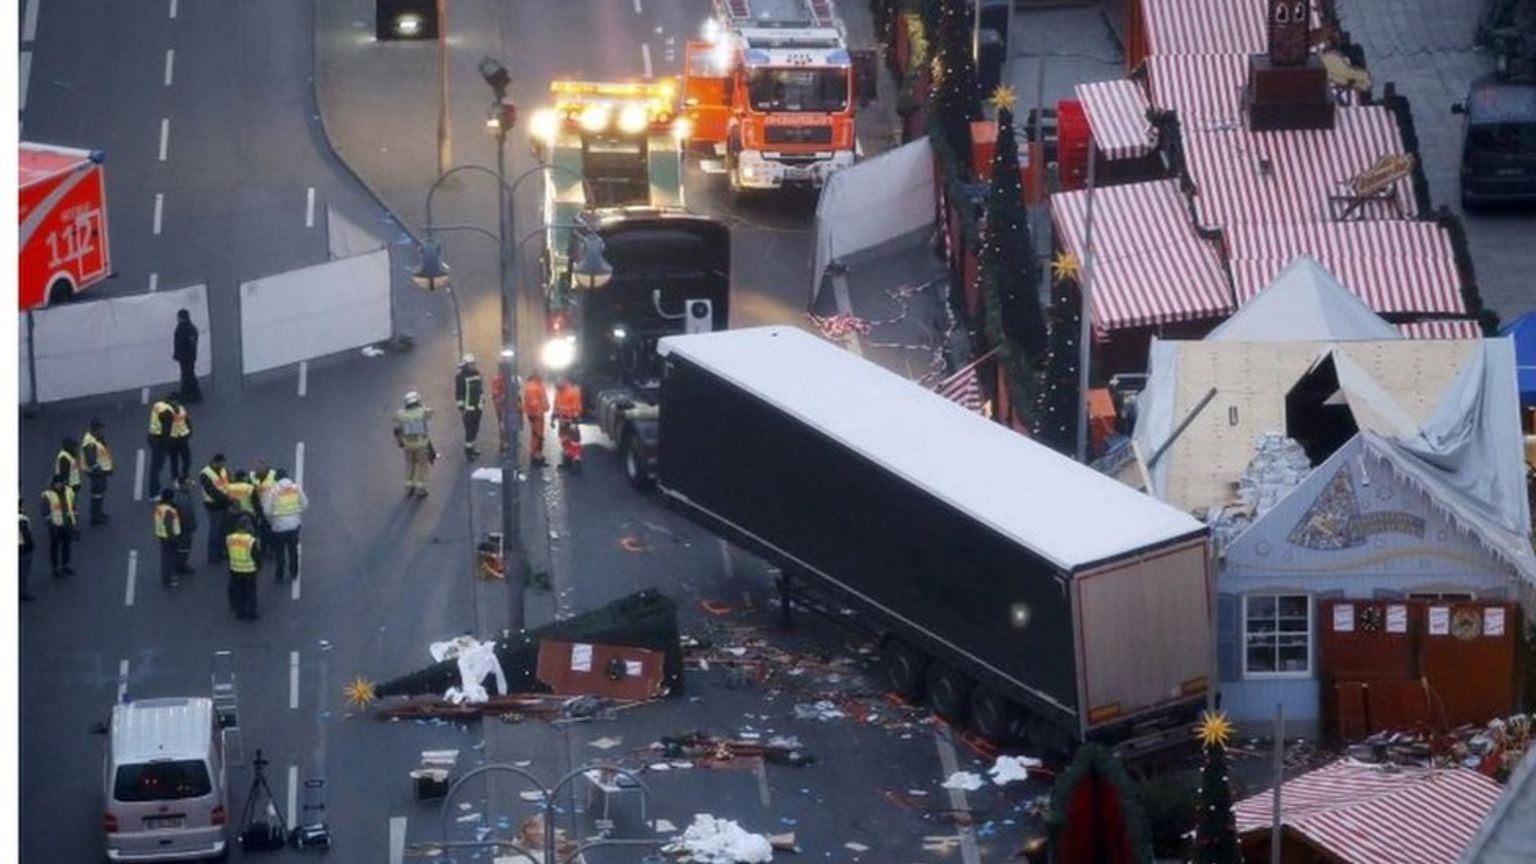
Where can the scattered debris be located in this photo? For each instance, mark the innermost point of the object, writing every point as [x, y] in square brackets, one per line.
[530, 835]
[1493, 749]
[531, 795]
[720, 841]
[617, 671]
[783, 842]
[822, 710]
[370, 351]
[607, 742]
[964, 781]
[431, 779]
[665, 826]
[1008, 769]
[855, 847]
[732, 752]
[633, 544]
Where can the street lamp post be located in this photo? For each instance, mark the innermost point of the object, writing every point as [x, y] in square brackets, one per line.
[444, 142]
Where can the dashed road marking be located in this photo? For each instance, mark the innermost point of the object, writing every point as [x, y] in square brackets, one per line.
[293, 794]
[154, 282]
[726, 566]
[173, 10]
[29, 22]
[645, 57]
[298, 463]
[165, 136]
[170, 66]
[138, 464]
[122, 680]
[133, 573]
[293, 584]
[949, 765]
[159, 211]
[23, 77]
[309, 208]
[396, 839]
[638, 10]
[762, 784]
[144, 397]
[293, 679]
[303, 377]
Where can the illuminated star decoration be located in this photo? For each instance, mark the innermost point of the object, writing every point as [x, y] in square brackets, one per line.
[1064, 266]
[360, 692]
[1004, 97]
[1214, 729]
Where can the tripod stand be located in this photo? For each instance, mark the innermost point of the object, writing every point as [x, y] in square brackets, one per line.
[256, 833]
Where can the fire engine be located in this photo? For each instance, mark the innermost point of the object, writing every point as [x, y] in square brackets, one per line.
[770, 88]
[63, 230]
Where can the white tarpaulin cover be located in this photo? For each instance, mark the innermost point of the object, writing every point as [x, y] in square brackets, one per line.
[110, 345]
[319, 310]
[873, 202]
[346, 238]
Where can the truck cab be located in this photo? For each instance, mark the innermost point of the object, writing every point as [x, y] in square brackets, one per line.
[1498, 154]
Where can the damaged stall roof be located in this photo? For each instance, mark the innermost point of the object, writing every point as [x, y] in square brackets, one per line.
[1067, 513]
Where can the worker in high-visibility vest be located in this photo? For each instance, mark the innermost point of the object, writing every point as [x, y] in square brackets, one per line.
[97, 457]
[162, 415]
[469, 396]
[284, 505]
[67, 462]
[535, 406]
[244, 552]
[263, 477]
[168, 532]
[412, 436]
[242, 502]
[59, 504]
[25, 544]
[180, 439]
[568, 416]
[213, 479]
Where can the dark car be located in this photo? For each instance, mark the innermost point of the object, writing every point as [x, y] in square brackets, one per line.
[1498, 154]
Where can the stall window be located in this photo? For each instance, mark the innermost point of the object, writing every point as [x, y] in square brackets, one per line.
[1277, 635]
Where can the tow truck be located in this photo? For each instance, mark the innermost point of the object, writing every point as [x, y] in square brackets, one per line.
[615, 184]
[770, 88]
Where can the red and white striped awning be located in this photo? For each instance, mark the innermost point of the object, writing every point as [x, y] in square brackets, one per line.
[1446, 328]
[1150, 266]
[1117, 116]
[1208, 26]
[1394, 267]
[1366, 814]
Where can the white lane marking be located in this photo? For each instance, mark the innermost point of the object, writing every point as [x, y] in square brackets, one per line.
[397, 839]
[292, 678]
[309, 208]
[638, 10]
[165, 136]
[645, 57]
[159, 211]
[122, 680]
[154, 282]
[293, 584]
[949, 765]
[170, 66]
[23, 78]
[173, 9]
[144, 397]
[133, 573]
[298, 463]
[303, 377]
[762, 784]
[29, 22]
[726, 566]
[138, 465]
[293, 795]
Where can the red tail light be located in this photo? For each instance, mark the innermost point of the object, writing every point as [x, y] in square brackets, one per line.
[556, 322]
[217, 816]
[109, 823]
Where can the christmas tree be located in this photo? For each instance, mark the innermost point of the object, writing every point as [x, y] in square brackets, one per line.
[1215, 829]
[1056, 403]
[1095, 814]
[956, 95]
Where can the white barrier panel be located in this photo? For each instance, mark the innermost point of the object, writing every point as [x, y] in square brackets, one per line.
[24, 391]
[319, 310]
[114, 344]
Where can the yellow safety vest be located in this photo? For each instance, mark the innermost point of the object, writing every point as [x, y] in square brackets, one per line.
[264, 481]
[242, 558]
[154, 417]
[179, 427]
[57, 508]
[240, 495]
[412, 423]
[161, 532]
[220, 480]
[103, 455]
[286, 502]
[74, 467]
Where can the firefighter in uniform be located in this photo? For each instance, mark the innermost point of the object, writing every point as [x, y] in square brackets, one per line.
[168, 532]
[98, 466]
[244, 553]
[469, 396]
[213, 479]
[59, 504]
[411, 435]
[535, 406]
[568, 415]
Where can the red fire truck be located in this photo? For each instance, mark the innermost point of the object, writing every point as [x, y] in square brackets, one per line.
[63, 213]
[771, 89]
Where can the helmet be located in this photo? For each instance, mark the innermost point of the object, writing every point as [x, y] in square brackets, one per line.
[412, 398]
[467, 359]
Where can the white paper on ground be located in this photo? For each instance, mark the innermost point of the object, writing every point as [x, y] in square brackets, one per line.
[1008, 769]
[720, 841]
[965, 781]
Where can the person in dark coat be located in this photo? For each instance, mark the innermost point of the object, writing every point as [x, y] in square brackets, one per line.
[25, 569]
[187, 510]
[185, 354]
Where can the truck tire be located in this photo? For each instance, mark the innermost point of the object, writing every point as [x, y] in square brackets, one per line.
[994, 716]
[60, 292]
[949, 693]
[904, 667]
[634, 463]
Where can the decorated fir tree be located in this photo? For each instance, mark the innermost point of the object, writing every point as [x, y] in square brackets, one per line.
[1215, 827]
[1057, 407]
[1095, 815]
[956, 94]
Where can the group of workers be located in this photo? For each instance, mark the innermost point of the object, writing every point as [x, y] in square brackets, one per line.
[412, 427]
[89, 458]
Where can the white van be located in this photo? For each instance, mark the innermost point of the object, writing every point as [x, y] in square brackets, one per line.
[166, 798]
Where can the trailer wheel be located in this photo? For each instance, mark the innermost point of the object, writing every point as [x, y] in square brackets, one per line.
[949, 693]
[904, 667]
[994, 716]
[60, 292]
[634, 463]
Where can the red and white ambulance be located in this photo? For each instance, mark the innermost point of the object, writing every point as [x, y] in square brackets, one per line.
[63, 212]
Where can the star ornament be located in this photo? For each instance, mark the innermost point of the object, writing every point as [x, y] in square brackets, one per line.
[1003, 96]
[1064, 266]
[360, 692]
[1214, 729]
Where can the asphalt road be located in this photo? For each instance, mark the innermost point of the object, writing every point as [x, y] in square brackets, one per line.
[383, 576]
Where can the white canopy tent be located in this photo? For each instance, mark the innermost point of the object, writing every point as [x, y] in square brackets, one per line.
[873, 202]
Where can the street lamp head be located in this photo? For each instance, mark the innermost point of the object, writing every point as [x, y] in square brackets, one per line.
[433, 272]
[590, 269]
[495, 75]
